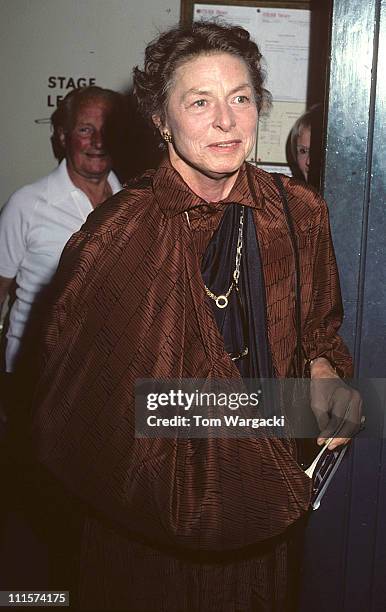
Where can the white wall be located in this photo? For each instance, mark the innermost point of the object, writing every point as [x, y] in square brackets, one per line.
[101, 39]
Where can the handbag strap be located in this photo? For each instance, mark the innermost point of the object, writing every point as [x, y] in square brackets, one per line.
[295, 248]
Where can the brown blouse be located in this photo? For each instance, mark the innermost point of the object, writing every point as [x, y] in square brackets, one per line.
[130, 303]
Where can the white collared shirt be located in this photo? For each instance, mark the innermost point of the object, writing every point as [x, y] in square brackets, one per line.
[35, 225]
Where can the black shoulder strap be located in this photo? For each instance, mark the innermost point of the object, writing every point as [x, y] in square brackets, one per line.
[292, 234]
[140, 182]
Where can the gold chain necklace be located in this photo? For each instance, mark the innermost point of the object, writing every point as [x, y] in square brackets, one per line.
[222, 300]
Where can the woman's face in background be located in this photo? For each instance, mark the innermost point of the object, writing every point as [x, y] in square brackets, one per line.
[212, 116]
[303, 151]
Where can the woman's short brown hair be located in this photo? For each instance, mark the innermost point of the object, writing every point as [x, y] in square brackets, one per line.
[180, 44]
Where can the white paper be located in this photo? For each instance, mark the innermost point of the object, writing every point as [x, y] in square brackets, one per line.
[244, 16]
[283, 38]
[274, 130]
[281, 169]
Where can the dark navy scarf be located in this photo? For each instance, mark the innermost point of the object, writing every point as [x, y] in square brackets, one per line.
[244, 321]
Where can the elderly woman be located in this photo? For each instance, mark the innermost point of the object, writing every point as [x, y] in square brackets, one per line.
[147, 289]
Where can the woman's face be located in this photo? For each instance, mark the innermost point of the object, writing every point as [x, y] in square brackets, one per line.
[303, 151]
[212, 116]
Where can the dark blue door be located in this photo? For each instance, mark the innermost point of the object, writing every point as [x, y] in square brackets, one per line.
[345, 556]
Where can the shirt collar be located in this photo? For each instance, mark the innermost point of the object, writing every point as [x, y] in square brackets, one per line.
[60, 184]
[114, 182]
[175, 196]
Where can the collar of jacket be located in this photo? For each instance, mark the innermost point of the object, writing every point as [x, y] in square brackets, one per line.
[174, 196]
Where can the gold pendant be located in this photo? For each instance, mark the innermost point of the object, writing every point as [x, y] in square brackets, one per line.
[222, 301]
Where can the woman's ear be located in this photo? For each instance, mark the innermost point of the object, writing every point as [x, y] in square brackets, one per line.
[162, 127]
[157, 121]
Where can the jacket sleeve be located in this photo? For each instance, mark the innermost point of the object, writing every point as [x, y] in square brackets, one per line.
[320, 329]
[76, 264]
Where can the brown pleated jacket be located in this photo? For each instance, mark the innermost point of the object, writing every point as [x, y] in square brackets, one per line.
[130, 303]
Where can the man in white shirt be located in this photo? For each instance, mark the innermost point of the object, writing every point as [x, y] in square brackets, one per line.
[35, 225]
[38, 219]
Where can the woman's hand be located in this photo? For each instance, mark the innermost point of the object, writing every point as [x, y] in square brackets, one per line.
[336, 406]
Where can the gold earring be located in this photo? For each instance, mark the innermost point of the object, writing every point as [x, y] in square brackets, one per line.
[167, 137]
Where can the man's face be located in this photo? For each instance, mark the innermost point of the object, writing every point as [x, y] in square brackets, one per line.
[86, 154]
